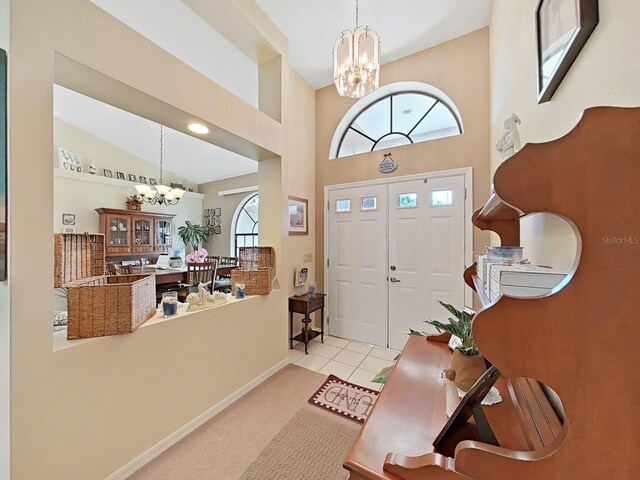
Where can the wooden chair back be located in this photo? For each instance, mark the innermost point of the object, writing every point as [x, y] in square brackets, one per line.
[110, 268]
[124, 269]
[201, 272]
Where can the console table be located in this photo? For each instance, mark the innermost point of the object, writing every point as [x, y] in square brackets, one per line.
[306, 305]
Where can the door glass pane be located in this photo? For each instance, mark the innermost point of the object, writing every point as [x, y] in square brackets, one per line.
[441, 198]
[343, 206]
[407, 200]
[369, 203]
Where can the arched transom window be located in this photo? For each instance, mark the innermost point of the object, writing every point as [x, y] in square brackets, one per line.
[400, 114]
[245, 226]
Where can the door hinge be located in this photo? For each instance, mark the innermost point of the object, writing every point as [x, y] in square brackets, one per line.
[327, 205]
[465, 193]
[327, 262]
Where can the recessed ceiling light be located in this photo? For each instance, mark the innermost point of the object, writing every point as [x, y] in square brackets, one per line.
[198, 128]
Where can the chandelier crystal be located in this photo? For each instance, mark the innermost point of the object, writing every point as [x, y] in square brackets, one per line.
[356, 61]
[161, 193]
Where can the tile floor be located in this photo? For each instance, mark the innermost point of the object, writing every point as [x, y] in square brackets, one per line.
[352, 361]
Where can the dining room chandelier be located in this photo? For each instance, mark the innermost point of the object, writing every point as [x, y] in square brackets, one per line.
[161, 193]
[356, 61]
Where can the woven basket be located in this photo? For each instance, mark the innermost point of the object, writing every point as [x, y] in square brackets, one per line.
[256, 257]
[112, 305]
[97, 305]
[77, 256]
[257, 281]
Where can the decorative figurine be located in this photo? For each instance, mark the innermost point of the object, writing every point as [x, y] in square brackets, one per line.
[509, 142]
[203, 299]
[92, 168]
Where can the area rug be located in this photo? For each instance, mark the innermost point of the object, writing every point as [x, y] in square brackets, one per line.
[344, 398]
[310, 446]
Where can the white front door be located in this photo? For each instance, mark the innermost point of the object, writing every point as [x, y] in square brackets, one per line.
[426, 252]
[358, 264]
[394, 250]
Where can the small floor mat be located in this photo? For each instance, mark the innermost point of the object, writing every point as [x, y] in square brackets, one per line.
[344, 398]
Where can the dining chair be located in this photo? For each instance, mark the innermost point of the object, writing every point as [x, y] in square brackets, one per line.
[124, 269]
[110, 268]
[201, 272]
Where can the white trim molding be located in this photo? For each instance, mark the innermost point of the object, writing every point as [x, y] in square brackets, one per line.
[141, 460]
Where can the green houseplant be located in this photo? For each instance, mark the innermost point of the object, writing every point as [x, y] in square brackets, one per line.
[193, 234]
[467, 362]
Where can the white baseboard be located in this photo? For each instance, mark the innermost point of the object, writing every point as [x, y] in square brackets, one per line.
[127, 470]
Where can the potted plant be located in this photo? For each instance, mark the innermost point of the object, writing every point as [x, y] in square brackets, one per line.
[467, 362]
[193, 234]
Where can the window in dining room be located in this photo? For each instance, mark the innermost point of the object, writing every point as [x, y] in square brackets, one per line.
[245, 228]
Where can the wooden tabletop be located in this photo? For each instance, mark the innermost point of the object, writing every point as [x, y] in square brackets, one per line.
[410, 412]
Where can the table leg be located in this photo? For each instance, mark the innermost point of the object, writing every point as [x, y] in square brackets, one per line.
[306, 321]
[290, 330]
[322, 324]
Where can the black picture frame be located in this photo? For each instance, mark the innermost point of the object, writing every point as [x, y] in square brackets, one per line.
[132, 178]
[4, 181]
[142, 179]
[107, 173]
[560, 39]
[120, 175]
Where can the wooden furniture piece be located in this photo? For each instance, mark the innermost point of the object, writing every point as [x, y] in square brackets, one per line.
[124, 269]
[306, 305]
[110, 268]
[579, 341]
[130, 232]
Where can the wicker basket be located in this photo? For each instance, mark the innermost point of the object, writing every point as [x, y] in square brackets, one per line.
[257, 281]
[97, 305]
[256, 257]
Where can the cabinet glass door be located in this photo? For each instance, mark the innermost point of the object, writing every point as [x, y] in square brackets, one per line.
[142, 232]
[163, 235]
[118, 230]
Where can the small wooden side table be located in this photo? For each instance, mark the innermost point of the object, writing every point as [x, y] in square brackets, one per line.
[306, 305]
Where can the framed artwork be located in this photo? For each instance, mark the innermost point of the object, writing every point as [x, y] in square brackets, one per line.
[69, 160]
[142, 179]
[217, 212]
[217, 230]
[107, 173]
[132, 178]
[563, 27]
[206, 212]
[68, 219]
[120, 175]
[298, 216]
[4, 218]
[152, 181]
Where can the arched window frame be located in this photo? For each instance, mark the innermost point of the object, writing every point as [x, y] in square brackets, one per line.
[382, 94]
[233, 251]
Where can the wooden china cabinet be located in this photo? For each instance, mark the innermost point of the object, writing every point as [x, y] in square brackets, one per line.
[130, 232]
[569, 386]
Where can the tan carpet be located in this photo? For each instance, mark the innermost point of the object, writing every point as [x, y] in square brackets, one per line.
[225, 446]
[312, 445]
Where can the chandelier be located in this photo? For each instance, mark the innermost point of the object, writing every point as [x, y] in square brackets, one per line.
[356, 61]
[160, 193]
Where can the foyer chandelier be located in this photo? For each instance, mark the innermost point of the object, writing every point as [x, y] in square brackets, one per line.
[161, 193]
[356, 61]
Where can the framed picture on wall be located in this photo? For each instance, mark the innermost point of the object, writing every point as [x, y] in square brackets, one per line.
[563, 27]
[68, 219]
[298, 216]
[107, 173]
[132, 178]
[120, 175]
[142, 179]
[152, 181]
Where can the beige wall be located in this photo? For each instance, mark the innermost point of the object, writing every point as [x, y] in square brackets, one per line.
[84, 411]
[106, 155]
[220, 244]
[5, 356]
[460, 68]
[607, 72]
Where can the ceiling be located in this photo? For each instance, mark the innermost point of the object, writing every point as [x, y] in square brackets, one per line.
[404, 26]
[312, 26]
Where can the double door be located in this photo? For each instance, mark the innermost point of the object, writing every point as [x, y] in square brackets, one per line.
[395, 250]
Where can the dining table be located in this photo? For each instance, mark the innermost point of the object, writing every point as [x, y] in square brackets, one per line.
[166, 276]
